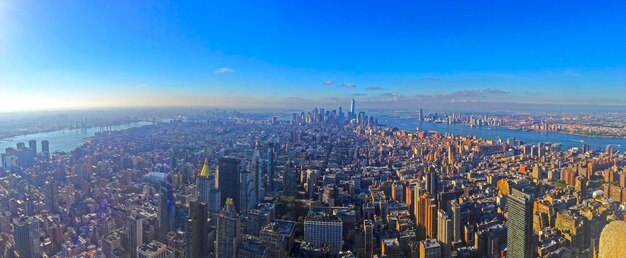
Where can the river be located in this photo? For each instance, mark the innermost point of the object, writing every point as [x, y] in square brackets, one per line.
[530, 137]
[62, 140]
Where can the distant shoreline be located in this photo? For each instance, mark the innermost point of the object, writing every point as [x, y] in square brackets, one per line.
[8, 137]
[514, 128]
[566, 132]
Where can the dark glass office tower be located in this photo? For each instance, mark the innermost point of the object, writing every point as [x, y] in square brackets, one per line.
[26, 232]
[432, 183]
[45, 146]
[196, 230]
[520, 222]
[32, 144]
[228, 179]
[166, 210]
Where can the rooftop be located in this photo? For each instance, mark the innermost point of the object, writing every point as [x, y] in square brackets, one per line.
[430, 243]
[283, 227]
[252, 246]
[153, 247]
[324, 217]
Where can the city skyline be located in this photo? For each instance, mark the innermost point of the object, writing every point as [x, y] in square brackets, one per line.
[73, 55]
[258, 129]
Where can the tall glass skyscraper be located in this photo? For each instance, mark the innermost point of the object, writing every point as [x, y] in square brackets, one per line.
[520, 222]
[352, 108]
[166, 210]
[26, 232]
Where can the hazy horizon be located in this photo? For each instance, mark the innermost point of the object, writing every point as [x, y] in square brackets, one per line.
[461, 108]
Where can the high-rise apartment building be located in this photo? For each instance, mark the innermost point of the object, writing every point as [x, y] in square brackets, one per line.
[290, 181]
[51, 195]
[430, 248]
[135, 233]
[432, 183]
[271, 166]
[444, 227]
[426, 217]
[456, 221]
[196, 229]
[32, 144]
[278, 236]
[154, 249]
[45, 146]
[322, 229]
[257, 171]
[368, 233]
[228, 234]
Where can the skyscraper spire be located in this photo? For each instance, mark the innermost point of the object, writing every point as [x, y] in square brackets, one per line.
[207, 190]
[205, 169]
[352, 108]
[229, 203]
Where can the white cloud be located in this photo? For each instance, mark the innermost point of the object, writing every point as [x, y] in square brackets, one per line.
[348, 85]
[224, 70]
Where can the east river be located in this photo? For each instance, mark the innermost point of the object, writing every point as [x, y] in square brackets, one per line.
[529, 137]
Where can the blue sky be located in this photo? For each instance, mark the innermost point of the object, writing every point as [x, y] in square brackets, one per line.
[68, 54]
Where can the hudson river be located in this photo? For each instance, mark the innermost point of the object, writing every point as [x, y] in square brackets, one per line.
[62, 140]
